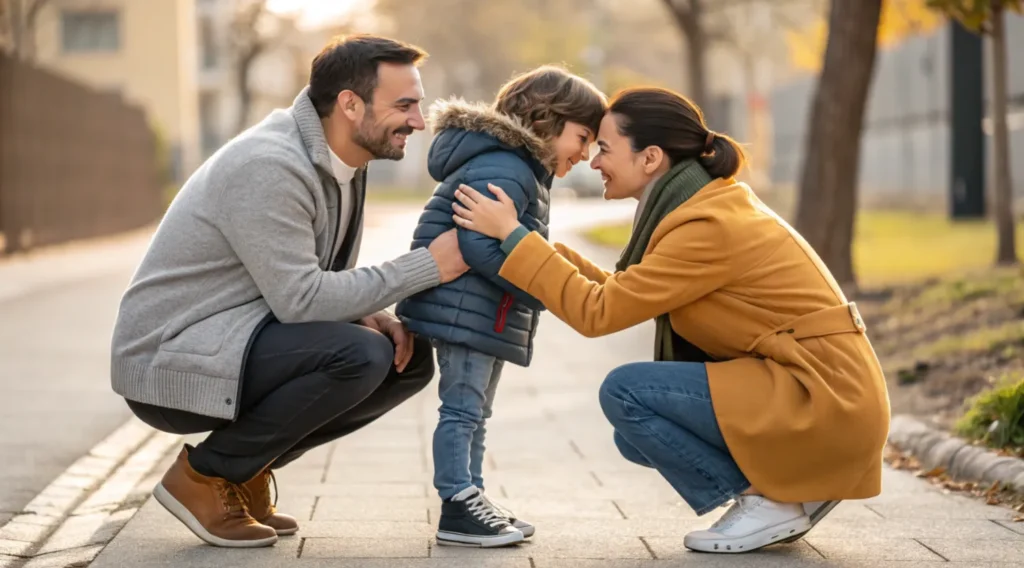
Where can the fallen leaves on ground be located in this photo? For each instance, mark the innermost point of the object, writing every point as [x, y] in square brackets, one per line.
[994, 494]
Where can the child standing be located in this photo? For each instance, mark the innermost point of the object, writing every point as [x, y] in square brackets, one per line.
[541, 125]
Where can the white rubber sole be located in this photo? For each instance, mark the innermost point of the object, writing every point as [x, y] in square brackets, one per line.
[527, 531]
[175, 508]
[760, 539]
[287, 532]
[445, 538]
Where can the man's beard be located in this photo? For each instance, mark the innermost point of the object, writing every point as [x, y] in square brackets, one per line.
[379, 143]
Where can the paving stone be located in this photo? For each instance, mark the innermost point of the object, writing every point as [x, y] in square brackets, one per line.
[960, 550]
[366, 529]
[910, 528]
[871, 548]
[577, 509]
[851, 510]
[371, 457]
[1017, 527]
[947, 510]
[14, 547]
[371, 509]
[568, 547]
[357, 474]
[27, 532]
[585, 563]
[9, 561]
[607, 528]
[348, 547]
[411, 563]
[660, 509]
[298, 506]
[64, 558]
[672, 549]
[298, 476]
[397, 489]
[193, 553]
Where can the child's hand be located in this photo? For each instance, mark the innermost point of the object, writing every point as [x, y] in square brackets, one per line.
[496, 219]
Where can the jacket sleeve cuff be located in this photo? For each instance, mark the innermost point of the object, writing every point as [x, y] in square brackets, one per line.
[419, 270]
[526, 261]
[510, 242]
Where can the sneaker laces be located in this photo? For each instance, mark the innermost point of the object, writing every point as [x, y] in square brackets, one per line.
[484, 510]
[502, 511]
[743, 504]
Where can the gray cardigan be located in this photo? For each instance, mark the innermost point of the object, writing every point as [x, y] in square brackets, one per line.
[251, 236]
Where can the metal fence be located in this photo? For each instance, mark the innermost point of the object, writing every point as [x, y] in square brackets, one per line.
[74, 162]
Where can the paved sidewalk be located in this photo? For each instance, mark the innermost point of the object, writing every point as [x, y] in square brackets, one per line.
[367, 500]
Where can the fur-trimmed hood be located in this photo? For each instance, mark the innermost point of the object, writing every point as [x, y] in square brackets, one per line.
[456, 113]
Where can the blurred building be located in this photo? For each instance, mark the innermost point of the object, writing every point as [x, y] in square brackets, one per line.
[276, 74]
[145, 50]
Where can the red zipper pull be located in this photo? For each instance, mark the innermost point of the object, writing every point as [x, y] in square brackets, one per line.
[503, 307]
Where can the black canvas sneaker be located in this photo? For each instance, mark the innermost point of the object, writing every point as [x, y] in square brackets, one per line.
[527, 528]
[469, 519]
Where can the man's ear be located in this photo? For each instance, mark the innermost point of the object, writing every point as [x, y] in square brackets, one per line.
[351, 105]
[653, 156]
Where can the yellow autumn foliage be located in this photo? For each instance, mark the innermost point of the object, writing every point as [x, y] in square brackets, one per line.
[900, 19]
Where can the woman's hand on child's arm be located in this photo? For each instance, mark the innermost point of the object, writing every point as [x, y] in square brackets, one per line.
[493, 218]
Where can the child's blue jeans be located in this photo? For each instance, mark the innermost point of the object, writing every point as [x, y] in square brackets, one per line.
[469, 380]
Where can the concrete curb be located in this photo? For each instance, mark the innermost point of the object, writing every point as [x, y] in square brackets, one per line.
[963, 461]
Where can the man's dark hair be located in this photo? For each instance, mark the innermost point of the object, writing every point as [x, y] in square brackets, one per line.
[351, 62]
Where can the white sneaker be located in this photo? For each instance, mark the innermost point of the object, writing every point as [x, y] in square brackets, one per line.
[751, 523]
[815, 510]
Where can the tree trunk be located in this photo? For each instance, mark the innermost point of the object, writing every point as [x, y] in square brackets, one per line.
[244, 91]
[17, 22]
[696, 56]
[1006, 253]
[827, 204]
[689, 21]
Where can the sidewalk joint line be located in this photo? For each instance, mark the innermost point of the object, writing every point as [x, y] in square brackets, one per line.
[576, 449]
[932, 550]
[302, 545]
[619, 509]
[650, 550]
[312, 512]
[533, 563]
[815, 549]
[1002, 526]
[330, 459]
[870, 508]
[597, 479]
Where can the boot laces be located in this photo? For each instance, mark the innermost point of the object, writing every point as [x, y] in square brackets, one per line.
[233, 497]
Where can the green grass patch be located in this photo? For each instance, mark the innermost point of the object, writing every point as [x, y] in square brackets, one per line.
[980, 340]
[895, 247]
[996, 417]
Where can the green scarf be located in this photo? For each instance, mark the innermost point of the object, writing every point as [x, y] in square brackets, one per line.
[675, 187]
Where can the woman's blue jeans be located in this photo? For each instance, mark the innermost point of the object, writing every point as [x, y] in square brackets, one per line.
[663, 418]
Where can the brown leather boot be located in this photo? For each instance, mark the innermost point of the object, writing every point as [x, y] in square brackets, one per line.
[212, 508]
[257, 491]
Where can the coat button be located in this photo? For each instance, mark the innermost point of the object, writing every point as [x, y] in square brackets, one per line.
[790, 331]
[227, 402]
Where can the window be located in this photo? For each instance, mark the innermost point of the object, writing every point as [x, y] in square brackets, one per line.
[90, 31]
